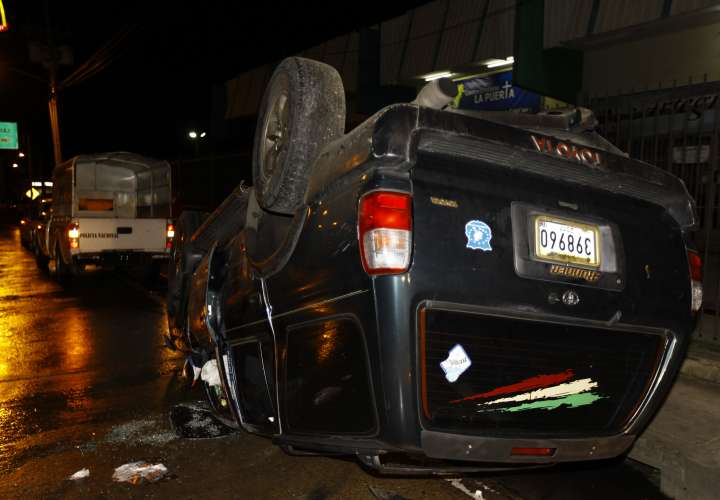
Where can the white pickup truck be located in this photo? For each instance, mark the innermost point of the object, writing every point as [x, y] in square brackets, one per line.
[108, 210]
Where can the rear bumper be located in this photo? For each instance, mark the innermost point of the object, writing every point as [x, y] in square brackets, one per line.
[448, 446]
[119, 257]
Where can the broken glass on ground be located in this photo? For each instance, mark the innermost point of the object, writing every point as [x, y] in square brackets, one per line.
[197, 421]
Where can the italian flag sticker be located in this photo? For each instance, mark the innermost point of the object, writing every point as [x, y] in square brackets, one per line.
[542, 392]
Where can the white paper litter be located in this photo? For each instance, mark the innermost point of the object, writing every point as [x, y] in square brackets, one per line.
[457, 483]
[137, 472]
[81, 474]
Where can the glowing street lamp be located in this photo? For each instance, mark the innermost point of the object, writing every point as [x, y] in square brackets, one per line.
[15, 165]
[21, 155]
[192, 134]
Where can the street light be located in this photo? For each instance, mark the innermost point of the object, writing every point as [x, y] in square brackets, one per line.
[437, 75]
[21, 155]
[496, 63]
[192, 134]
[15, 165]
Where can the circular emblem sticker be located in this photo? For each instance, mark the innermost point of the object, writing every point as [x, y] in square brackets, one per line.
[478, 235]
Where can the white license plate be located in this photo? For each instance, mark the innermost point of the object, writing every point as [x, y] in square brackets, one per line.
[560, 240]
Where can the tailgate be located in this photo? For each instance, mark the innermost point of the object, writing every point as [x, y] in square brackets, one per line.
[515, 338]
[98, 235]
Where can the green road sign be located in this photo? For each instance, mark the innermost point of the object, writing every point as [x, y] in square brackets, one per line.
[8, 135]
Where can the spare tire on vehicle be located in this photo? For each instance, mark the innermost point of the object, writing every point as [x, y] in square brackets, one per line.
[302, 110]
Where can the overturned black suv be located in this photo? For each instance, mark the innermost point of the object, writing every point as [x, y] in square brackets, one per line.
[436, 290]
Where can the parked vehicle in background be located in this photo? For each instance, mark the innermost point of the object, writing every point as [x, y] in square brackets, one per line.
[437, 290]
[34, 215]
[108, 210]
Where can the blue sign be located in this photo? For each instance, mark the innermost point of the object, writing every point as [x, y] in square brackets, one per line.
[494, 93]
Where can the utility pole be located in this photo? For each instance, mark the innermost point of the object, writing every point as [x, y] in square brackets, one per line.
[53, 61]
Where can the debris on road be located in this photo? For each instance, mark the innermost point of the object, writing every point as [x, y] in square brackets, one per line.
[81, 474]
[137, 472]
[457, 483]
[151, 431]
[197, 421]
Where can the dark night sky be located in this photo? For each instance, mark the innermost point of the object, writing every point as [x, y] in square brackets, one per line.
[160, 83]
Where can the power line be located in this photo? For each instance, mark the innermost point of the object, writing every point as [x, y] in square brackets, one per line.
[101, 58]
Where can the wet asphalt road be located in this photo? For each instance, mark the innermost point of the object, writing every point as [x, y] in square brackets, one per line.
[85, 382]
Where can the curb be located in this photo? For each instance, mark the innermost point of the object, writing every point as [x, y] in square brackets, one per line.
[702, 362]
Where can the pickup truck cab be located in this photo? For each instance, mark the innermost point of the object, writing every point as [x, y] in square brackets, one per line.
[108, 210]
[435, 291]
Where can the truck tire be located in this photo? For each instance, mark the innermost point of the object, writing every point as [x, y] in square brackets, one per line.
[62, 272]
[178, 272]
[302, 110]
[40, 259]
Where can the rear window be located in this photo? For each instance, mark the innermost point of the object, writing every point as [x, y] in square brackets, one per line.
[95, 204]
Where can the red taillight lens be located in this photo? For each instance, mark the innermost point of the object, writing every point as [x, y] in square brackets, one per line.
[696, 288]
[385, 232]
[533, 452]
[169, 235]
[73, 231]
[695, 263]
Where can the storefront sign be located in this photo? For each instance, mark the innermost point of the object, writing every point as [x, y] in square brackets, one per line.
[494, 93]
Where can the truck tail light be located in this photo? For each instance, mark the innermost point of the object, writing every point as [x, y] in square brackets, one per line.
[169, 235]
[385, 232]
[73, 231]
[696, 287]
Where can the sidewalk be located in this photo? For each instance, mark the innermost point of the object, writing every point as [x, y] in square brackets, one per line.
[683, 441]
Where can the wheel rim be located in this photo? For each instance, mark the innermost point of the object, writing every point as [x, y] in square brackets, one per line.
[275, 138]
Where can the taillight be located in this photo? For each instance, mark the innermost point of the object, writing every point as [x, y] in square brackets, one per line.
[74, 234]
[696, 288]
[169, 235]
[532, 452]
[385, 232]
